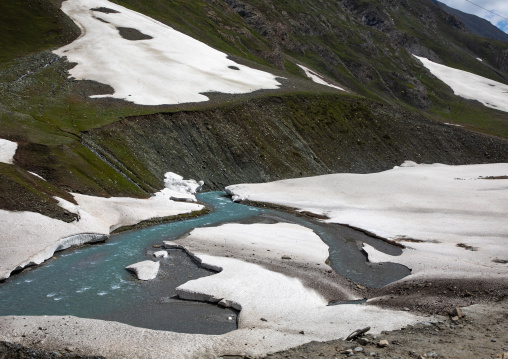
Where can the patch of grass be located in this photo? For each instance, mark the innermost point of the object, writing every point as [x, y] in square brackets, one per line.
[28, 26]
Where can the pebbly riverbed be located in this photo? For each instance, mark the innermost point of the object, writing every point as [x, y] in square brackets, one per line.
[91, 282]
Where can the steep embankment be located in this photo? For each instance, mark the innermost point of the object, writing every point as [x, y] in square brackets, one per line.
[283, 137]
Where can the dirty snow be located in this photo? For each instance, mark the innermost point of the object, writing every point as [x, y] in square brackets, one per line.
[286, 304]
[314, 76]
[490, 93]
[170, 68]
[117, 340]
[277, 310]
[7, 150]
[441, 206]
[31, 238]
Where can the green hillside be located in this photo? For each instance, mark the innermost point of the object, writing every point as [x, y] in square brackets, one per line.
[79, 144]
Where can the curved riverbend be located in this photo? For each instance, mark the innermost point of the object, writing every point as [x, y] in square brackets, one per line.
[92, 282]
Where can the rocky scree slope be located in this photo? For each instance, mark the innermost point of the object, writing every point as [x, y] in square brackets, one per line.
[284, 137]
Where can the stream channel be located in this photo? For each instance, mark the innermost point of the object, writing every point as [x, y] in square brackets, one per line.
[91, 281]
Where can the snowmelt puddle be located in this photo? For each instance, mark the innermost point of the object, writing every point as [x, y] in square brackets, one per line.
[92, 282]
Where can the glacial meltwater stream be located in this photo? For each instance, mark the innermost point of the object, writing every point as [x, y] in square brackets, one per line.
[91, 282]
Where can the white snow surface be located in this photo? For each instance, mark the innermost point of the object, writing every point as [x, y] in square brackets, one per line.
[440, 205]
[145, 270]
[490, 93]
[314, 76]
[160, 254]
[283, 239]
[170, 68]
[179, 189]
[7, 150]
[31, 238]
[287, 305]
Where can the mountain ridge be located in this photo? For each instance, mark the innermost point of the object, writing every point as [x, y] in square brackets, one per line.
[475, 24]
[365, 46]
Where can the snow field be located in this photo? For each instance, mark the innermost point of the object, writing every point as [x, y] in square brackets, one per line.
[490, 93]
[314, 76]
[441, 206]
[7, 151]
[283, 301]
[170, 68]
[31, 238]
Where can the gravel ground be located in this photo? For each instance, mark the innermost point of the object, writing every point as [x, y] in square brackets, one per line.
[481, 333]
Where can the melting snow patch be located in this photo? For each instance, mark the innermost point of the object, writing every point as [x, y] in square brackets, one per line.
[145, 270]
[31, 238]
[439, 205]
[314, 76]
[490, 93]
[160, 254]
[7, 151]
[163, 67]
[272, 294]
[179, 189]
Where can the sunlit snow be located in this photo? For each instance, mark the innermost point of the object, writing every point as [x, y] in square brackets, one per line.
[7, 150]
[437, 211]
[281, 297]
[169, 68]
[491, 93]
[317, 78]
[29, 237]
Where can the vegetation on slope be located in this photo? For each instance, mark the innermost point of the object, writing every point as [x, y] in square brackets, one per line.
[364, 45]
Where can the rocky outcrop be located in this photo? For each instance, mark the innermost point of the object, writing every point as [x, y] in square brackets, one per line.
[285, 137]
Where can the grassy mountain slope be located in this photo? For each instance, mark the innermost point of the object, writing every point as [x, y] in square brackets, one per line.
[364, 45]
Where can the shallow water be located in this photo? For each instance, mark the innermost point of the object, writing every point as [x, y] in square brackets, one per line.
[91, 282]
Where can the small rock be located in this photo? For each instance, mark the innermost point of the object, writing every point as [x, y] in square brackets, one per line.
[362, 341]
[286, 257]
[456, 312]
[493, 340]
[372, 354]
[156, 245]
[455, 319]
[358, 349]
[302, 332]
[264, 320]
[383, 343]
[431, 355]
[69, 349]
